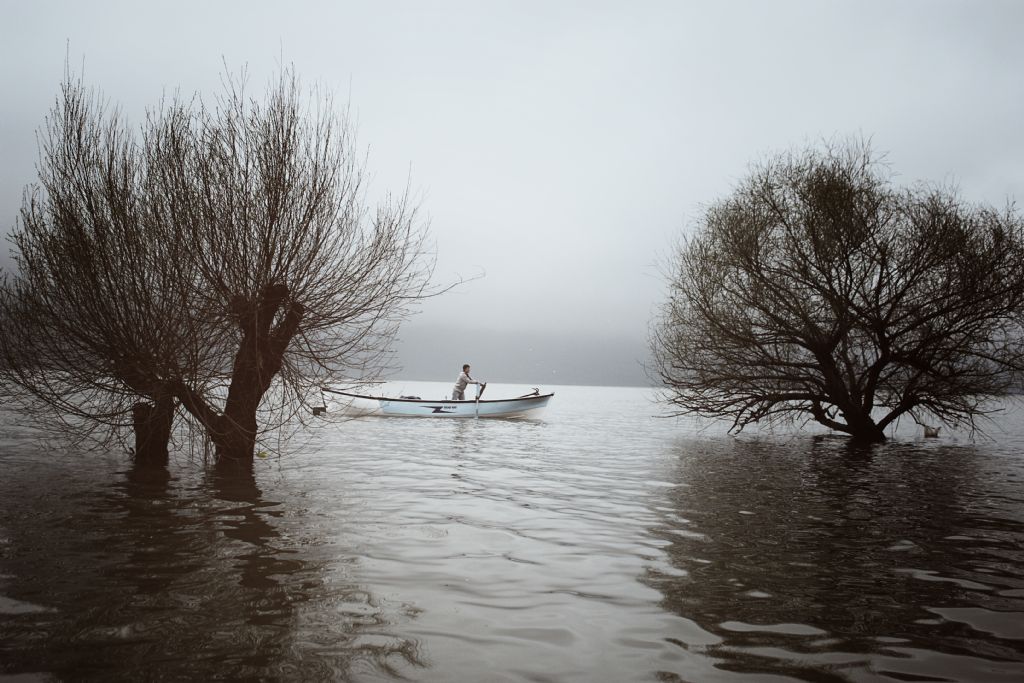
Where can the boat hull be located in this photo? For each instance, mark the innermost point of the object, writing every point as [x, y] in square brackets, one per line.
[522, 407]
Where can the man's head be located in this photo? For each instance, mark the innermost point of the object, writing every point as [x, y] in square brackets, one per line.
[465, 368]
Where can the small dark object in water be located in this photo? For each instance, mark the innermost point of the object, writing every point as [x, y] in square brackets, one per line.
[412, 398]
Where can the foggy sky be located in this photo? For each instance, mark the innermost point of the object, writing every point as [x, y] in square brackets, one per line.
[559, 148]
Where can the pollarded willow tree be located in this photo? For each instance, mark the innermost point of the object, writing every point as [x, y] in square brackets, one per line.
[818, 290]
[303, 283]
[217, 266]
[98, 311]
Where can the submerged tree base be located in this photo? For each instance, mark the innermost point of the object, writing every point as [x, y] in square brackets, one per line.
[152, 423]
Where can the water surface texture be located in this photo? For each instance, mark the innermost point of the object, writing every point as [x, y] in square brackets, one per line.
[597, 544]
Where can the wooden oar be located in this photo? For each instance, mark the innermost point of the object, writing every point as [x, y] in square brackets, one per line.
[479, 392]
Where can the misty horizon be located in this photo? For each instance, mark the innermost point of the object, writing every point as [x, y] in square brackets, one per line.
[436, 354]
[557, 152]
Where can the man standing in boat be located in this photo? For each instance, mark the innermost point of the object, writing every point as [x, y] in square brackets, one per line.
[459, 393]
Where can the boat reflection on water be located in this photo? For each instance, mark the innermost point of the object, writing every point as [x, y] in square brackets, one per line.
[812, 560]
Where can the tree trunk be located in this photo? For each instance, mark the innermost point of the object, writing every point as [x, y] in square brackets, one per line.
[259, 358]
[235, 452]
[236, 440]
[236, 437]
[864, 430]
[152, 423]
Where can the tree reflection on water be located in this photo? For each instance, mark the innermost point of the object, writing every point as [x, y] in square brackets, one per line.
[196, 578]
[822, 563]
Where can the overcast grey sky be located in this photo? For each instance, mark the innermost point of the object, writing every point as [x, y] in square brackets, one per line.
[559, 147]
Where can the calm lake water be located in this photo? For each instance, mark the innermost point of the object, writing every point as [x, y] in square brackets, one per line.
[599, 544]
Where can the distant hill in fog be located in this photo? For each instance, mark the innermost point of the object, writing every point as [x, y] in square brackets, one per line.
[534, 358]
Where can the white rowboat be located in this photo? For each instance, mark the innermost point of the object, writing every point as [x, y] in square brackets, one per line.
[523, 406]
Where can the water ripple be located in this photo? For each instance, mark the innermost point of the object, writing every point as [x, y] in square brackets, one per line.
[598, 544]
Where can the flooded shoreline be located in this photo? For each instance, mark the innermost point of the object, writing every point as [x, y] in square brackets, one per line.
[596, 544]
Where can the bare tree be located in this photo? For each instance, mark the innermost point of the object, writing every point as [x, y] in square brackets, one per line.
[820, 291]
[94, 313]
[221, 267]
[306, 284]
